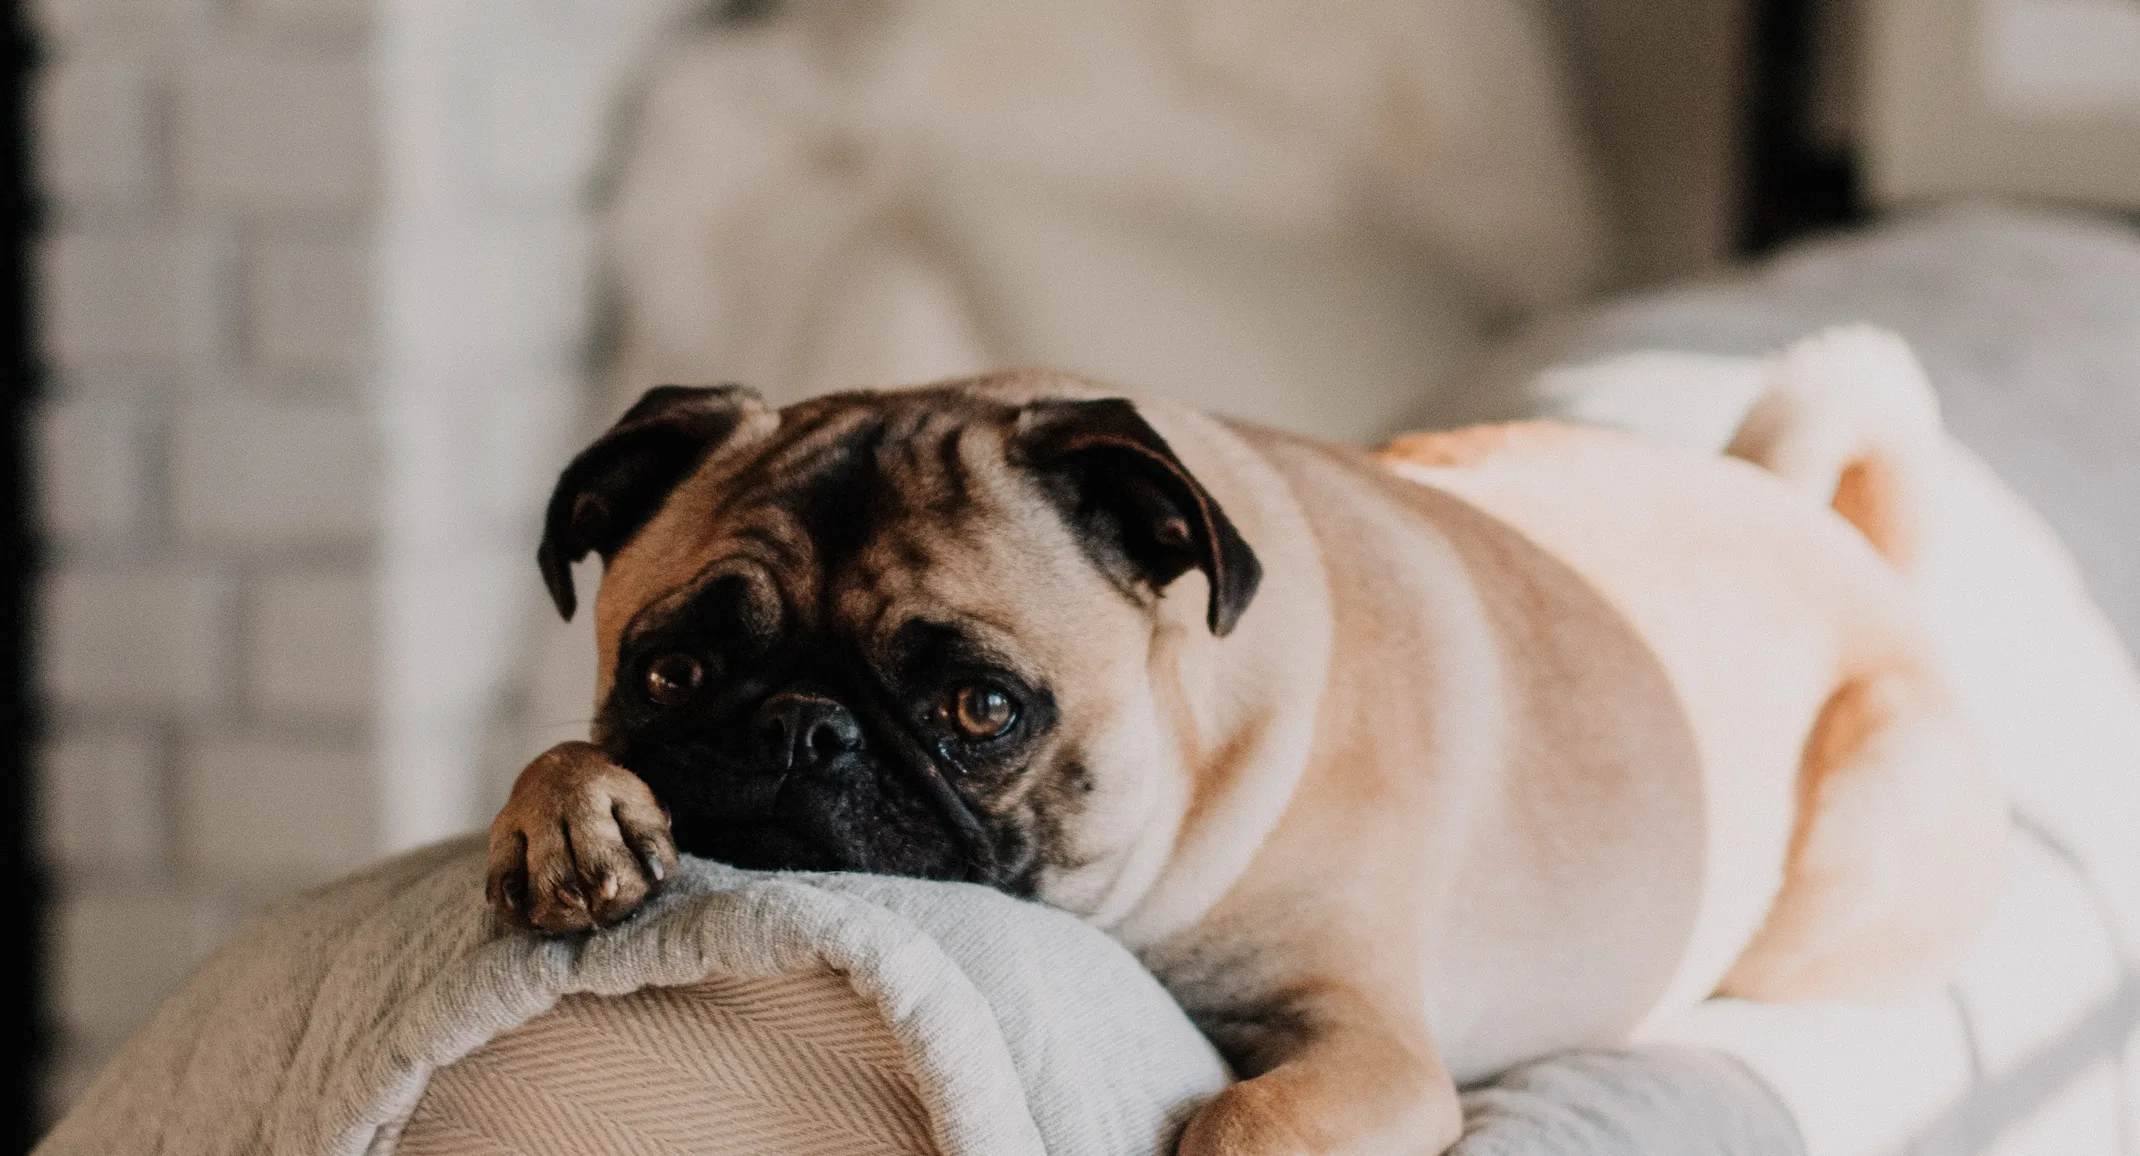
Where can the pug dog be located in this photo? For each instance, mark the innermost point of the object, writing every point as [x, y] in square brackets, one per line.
[1396, 769]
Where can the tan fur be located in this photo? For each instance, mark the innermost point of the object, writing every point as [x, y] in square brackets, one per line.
[1849, 418]
[1892, 860]
[1532, 734]
[1868, 496]
[1464, 447]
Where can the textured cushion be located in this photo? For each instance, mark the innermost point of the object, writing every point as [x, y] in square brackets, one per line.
[1018, 1030]
[747, 1013]
[794, 1063]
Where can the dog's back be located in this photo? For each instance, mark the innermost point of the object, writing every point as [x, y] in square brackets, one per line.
[1778, 600]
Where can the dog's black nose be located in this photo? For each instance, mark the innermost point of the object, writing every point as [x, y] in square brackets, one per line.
[802, 732]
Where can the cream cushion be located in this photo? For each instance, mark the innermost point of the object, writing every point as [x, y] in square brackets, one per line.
[738, 1012]
[782, 1015]
[724, 1067]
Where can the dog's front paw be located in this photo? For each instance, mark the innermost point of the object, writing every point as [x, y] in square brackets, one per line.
[580, 844]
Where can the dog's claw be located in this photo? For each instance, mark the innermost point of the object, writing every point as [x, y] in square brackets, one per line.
[512, 891]
[650, 861]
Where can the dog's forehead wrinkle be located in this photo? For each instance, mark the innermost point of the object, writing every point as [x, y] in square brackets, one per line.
[862, 510]
[824, 445]
[757, 546]
[863, 516]
[952, 466]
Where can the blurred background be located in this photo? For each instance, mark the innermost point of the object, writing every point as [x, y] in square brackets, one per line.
[307, 301]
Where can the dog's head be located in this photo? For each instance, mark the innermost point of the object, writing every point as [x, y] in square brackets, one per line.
[904, 632]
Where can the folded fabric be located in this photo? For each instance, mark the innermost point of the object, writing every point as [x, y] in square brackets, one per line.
[338, 1024]
[317, 1028]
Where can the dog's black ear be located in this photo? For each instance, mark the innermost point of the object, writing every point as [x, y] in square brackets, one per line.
[618, 483]
[1133, 503]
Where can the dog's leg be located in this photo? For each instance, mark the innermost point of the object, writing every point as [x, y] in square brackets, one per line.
[1897, 851]
[580, 843]
[1348, 1077]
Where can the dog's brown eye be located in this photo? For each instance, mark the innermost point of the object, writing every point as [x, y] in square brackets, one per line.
[672, 678]
[981, 711]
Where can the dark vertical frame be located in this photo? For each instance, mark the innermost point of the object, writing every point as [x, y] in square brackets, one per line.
[22, 1031]
[1794, 187]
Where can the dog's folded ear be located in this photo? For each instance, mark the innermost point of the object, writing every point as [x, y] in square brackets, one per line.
[619, 482]
[1135, 507]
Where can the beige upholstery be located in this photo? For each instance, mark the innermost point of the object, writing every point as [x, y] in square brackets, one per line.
[793, 1064]
[854, 1013]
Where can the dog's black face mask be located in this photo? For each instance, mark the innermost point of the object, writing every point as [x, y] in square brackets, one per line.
[773, 749]
[821, 675]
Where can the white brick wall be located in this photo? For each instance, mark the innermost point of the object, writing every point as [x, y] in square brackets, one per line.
[96, 21]
[313, 648]
[131, 293]
[99, 141]
[209, 482]
[93, 457]
[274, 811]
[274, 125]
[311, 14]
[153, 640]
[252, 471]
[291, 243]
[307, 303]
[101, 800]
[494, 124]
